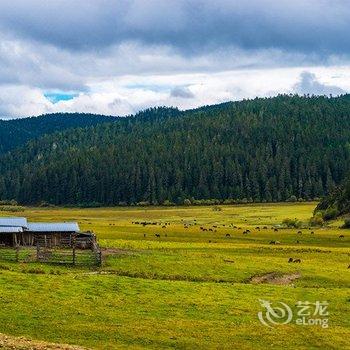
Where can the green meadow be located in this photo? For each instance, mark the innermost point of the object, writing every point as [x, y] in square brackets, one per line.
[186, 281]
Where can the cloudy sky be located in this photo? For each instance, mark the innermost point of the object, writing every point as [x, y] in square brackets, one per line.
[119, 56]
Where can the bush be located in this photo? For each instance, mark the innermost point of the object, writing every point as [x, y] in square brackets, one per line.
[229, 201]
[11, 202]
[316, 220]
[35, 271]
[292, 199]
[143, 204]
[295, 223]
[13, 209]
[216, 208]
[187, 202]
[330, 214]
[44, 204]
[346, 223]
[168, 203]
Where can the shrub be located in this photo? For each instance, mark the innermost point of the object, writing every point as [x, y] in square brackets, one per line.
[143, 203]
[44, 204]
[168, 203]
[216, 208]
[12, 209]
[187, 202]
[229, 201]
[9, 202]
[292, 199]
[346, 223]
[316, 220]
[35, 271]
[292, 223]
[330, 213]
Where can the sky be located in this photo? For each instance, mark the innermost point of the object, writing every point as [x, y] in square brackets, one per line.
[117, 57]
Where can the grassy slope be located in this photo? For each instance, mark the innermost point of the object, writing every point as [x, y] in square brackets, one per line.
[173, 298]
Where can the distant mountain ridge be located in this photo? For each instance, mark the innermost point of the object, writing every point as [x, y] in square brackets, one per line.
[266, 149]
[17, 132]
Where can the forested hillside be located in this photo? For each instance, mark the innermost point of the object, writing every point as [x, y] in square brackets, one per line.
[17, 132]
[337, 203]
[259, 150]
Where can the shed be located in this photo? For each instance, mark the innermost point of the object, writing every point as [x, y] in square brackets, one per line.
[53, 233]
[8, 235]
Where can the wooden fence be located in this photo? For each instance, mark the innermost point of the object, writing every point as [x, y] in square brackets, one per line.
[72, 252]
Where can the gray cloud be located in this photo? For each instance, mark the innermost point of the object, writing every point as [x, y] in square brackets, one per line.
[308, 84]
[182, 92]
[305, 26]
[90, 47]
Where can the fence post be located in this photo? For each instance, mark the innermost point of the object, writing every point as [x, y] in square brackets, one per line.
[17, 253]
[37, 251]
[73, 250]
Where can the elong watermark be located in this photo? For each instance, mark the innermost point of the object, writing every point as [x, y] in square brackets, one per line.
[307, 314]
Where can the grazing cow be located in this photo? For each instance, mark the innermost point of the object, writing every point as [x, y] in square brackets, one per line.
[299, 232]
[297, 261]
[276, 229]
[349, 267]
[157, 235]
[265, 227]
[312, 232]
[163, 226]
[341, 236]
[211, 230]
[228, 235]
[298, 242]
[275, 242]
[290, 260]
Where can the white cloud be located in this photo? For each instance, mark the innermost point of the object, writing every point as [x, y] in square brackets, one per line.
[118, 57]
[128, 94]
[309, 84]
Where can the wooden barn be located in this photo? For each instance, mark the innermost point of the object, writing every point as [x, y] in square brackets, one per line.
[15, 231]
[11, 230]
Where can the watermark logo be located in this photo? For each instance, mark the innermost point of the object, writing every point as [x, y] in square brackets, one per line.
[307, 314]
[274, 315]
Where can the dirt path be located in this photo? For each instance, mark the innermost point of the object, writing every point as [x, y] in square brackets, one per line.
[20, 343]
[275, 278]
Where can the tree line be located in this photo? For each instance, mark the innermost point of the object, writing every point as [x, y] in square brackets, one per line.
[266, 149]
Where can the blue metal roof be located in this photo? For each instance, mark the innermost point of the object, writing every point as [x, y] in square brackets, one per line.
[53, 227]
[10, 229]
[13, 222]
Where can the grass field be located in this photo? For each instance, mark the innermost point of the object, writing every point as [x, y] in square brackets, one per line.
[188, 288]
